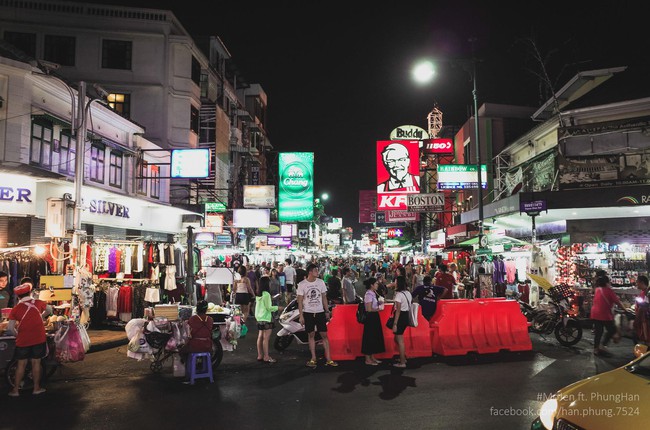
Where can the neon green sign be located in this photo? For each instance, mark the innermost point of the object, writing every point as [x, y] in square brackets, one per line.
[296, 187]
[215, 207]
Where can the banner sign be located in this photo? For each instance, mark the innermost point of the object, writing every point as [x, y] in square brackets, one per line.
[367, 206]
[426, 202]
[296, 188]
[398, 173]
[460, 176]
[401, 216]
[438, 146]
[259, 196]
[604, 170]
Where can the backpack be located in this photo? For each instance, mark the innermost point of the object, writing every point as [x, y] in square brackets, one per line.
[361, 312]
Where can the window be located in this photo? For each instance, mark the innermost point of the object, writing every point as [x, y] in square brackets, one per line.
[141, 179]
[26, 42]
[41, 148]
[120, 103]
[155, 182]
[194, 120]
[116, 54]
[97, 163]
[196, 71]
[66, 154]
[115, 169]
[59, 49]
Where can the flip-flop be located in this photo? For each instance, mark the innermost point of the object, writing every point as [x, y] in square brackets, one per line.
[37, 392]
[400, 365]
[270, 360]
[372, 363]
[12, 394]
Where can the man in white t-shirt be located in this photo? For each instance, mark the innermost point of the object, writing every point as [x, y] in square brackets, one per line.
[312, 304]
[289, 276]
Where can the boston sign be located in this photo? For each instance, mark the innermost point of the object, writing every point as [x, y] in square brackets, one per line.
[426, 202]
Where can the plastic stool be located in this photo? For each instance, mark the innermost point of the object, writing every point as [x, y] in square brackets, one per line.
[206, 366]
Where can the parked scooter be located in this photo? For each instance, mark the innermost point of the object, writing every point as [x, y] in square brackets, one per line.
[292, 329]
[558, 316]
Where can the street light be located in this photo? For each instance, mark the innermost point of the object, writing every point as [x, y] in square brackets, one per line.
[424, 72]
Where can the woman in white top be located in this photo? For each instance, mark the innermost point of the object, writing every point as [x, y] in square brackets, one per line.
[402, 303]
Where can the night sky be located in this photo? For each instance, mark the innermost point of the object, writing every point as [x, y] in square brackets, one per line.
[337, 74]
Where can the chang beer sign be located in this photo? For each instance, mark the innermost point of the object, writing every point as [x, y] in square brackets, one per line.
[408, 132]
[296, 187]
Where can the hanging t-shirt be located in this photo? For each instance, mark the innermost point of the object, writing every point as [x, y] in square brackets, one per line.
[312, 292]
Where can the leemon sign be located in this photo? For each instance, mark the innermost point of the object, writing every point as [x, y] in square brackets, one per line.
[296, 187]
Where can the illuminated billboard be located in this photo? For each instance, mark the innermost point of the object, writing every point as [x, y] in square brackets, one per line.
[190, 163]
[296, 187]
[460, 176]
[398, 173]
[259, 196]
[251, 218]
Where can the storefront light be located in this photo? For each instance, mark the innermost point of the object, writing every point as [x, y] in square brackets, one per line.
[39, 250]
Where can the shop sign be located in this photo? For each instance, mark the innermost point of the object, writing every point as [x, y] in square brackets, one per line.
[367, 206]
[597, 171]
[398, 172]
[439, 146]
[532, 208]
[12, 194]
[380, 221]
[259, 196]
[224, 239]
[215, 207]
[109, 208]
[408, 132]
[401, 216]
[278, 241]
[394, 233]
[296, 187]
[426, 202]
[460, 176]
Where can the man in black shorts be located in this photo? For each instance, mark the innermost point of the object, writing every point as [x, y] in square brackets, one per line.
[314, 312]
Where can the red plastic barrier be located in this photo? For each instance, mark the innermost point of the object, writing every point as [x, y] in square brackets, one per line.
[480, 325]
[345, 334]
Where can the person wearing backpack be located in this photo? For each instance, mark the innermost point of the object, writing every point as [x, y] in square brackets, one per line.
[427, 296]
[401, 309]
[372, 341]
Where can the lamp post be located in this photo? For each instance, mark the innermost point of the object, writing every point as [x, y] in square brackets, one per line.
[478, 149]
[423, 73]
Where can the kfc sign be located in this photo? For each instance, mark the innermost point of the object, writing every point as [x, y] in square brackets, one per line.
[438, 146]
[388, 202]
[398, 173]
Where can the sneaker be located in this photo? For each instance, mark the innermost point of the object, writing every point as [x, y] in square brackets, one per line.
[331, 363]
[312, 364]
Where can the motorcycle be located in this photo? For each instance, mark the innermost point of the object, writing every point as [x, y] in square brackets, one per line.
[292, 329]
[558, 316]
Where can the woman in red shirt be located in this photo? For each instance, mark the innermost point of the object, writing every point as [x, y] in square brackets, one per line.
[601, 313]
[30, 340]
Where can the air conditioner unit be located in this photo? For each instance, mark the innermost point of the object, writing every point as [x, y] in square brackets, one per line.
[59, 218]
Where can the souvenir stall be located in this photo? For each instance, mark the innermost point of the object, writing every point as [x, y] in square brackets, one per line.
[578, 263]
